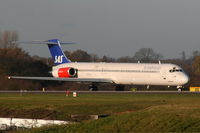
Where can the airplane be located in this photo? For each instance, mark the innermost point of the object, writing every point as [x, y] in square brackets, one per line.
[119, 74]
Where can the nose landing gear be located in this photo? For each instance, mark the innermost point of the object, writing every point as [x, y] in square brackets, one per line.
[179, 88]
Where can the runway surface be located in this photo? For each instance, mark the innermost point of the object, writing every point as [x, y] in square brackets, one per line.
[108, 92]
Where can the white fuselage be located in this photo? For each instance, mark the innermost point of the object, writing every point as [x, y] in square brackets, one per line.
[130, 73]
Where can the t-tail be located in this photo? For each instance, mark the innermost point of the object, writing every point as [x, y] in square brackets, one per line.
[57, 52]
[55, 49]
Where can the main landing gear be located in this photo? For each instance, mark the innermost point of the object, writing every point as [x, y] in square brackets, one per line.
[93, 87]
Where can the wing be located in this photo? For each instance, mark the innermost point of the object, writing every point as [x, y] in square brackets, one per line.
[99, 80]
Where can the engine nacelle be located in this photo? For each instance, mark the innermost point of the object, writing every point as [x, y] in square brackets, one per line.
[67, 72]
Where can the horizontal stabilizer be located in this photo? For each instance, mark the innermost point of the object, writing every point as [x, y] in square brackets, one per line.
[42, 42]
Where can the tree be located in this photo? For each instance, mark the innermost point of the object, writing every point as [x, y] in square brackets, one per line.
[125, 59]
[7, 38]
[147, 55]
[80, 55]
[67, 53]
[183, 56]
[196, 65]
[195, 54]
[94, 58]
[107, 59]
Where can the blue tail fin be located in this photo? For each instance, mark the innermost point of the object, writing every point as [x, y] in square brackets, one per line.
[56, 52]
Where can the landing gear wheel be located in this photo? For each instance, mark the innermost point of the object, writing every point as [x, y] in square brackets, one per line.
[93, 87]
[180, 88]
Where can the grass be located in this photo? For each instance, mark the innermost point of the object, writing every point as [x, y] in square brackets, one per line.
[129, 112]
[57, 105]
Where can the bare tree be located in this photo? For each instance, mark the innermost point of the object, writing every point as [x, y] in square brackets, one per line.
[107, 59]
[7, 38]
[147, 55]
[183, 56]
[80, 55]
[196, 65]
[125, 59]
[195, 54]
[94, 57]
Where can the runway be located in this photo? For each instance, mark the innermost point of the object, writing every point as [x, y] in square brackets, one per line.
[107, 92]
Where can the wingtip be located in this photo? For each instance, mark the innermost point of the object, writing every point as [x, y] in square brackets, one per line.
[8, 77]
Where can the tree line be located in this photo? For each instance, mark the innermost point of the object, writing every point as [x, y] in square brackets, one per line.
[15, 61]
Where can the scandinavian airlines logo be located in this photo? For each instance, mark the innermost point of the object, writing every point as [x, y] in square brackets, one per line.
[59, 59]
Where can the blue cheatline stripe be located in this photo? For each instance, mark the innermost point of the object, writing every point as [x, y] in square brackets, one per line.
[56, 52]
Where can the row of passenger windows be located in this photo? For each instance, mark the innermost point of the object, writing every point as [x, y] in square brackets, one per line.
[86, 70]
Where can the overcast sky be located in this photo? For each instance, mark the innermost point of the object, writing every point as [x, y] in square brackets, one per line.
[106, 27]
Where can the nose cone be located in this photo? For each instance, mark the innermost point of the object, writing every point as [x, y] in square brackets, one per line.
[184, 79]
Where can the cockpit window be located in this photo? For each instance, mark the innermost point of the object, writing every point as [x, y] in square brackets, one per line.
[175, 70]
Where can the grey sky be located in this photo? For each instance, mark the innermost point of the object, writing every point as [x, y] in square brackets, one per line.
[106, 27]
